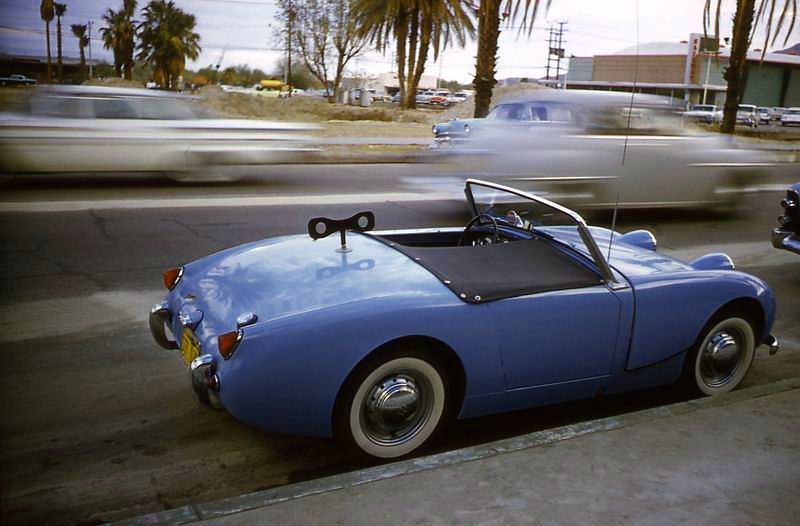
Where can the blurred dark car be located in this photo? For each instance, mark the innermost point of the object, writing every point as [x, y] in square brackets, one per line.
[99, 129]
[787, 235]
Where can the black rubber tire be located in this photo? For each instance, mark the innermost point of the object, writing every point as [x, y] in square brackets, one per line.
[352, 436]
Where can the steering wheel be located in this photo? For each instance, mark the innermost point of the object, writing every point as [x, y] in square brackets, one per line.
[484, 241]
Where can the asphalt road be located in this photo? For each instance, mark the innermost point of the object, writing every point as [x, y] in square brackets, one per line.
[98, 423]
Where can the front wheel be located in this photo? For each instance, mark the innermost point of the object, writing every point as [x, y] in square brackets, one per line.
[724, 355]
[392, 405]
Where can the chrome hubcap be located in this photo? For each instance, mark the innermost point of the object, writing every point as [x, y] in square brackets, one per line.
[720, 358]
[396, 408]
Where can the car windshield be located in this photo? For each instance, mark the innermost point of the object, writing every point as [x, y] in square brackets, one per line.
[701, 107]
[792, 112]
[746, 108]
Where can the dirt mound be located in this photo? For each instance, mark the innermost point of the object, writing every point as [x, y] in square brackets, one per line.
[466, 109]
[298, 108]
[114, 82]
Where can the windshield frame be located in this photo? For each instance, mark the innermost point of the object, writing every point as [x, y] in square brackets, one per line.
[583, 230]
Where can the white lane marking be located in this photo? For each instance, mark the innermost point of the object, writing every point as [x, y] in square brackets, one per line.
[217, 202]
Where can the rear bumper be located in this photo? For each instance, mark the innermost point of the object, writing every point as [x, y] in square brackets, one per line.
[159, 320]
[204, 381]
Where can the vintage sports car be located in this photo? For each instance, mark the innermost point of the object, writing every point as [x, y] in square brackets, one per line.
[379, 338]
[787, 235]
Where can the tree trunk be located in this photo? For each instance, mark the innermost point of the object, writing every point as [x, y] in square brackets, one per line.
[410, 102]
[735, 73]
[488, 32]
[128, 71]
[337, 81]
[83, 62]
[49, 57]
[402, 34]
[59, 60]
[424, 47]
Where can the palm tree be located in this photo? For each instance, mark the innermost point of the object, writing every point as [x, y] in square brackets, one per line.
[488, 31]
[59, 9]
[415, 26]
[166, 40]
[79, 30]
[745, 21]
[47, 14]
[119, 35]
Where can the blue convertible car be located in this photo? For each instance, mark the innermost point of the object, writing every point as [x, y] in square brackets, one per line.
[378, 338]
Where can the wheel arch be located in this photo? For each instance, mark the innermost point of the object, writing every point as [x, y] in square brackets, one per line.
[750, 307]
[438, 350]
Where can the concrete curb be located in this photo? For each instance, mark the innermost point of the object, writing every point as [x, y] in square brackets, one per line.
[210, 510]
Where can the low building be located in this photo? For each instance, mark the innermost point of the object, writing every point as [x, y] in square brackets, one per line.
[35, 67]
[691, 70]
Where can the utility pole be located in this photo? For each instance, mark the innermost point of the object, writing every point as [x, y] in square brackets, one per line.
[90, 48]
[550, 42]
[287, 75]
[560, 49]
[555, 51]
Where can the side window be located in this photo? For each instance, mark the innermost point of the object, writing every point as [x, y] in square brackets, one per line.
[538, 113]
[113, 108]
[560, 114]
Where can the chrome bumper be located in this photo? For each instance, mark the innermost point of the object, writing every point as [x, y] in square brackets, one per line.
[158, 319]
[772, 342]
[205, 382]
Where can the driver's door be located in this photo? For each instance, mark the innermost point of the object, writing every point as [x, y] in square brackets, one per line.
[556, 336]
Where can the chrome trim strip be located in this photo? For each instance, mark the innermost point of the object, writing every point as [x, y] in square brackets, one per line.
[201, 370]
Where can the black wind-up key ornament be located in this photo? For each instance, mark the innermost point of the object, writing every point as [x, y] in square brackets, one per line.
[319, 227]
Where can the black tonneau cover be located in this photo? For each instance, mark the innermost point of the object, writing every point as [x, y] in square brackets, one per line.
[505, 270]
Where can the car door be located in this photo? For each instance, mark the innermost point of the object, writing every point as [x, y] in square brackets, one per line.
[556, 336]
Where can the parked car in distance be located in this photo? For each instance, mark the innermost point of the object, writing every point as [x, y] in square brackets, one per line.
[703, 113]
[380, 338]
[746, 115]
[91, 129]
[787, 235]
[764, 115]
[776, 112]
[790, 117]
[17, 80]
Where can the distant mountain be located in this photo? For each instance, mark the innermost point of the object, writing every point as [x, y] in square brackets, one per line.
[794, 50]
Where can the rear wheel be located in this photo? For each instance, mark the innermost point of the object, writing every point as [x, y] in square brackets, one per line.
[720, 361]
[392, 404]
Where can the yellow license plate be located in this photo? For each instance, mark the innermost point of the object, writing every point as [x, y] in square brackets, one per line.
[190, 346]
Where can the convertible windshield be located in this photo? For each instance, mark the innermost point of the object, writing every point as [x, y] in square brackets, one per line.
[517, 211]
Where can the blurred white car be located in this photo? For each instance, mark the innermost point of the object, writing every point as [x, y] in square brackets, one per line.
[763, 115]
[790, 117]
[98, 129]
[704, 113]
[592, 149]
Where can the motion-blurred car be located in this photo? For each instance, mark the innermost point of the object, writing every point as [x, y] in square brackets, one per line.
[99, 129]
[378, 338]
[787, 235]
[703, 113]
[790, 117]
[593, 149]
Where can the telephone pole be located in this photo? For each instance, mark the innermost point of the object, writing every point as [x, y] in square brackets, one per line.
[555, 52]
[90, 49]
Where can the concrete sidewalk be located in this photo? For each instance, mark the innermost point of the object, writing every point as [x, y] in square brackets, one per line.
[734, 459]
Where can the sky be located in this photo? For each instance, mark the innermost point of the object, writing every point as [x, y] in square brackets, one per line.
[243, 29]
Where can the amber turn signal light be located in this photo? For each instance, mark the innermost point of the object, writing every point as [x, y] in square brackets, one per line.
[172, 277]
[227, 343]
